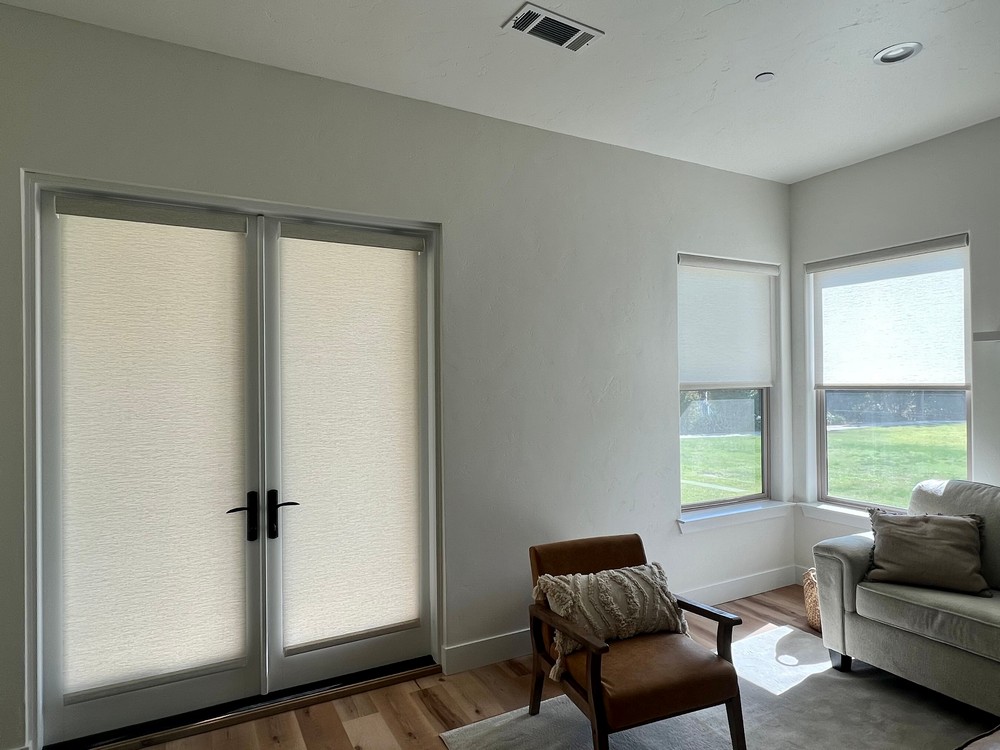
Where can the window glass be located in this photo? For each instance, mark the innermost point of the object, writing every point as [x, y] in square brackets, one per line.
[722, 454]
[881, 443]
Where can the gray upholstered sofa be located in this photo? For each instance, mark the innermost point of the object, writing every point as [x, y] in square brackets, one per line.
[947, 641]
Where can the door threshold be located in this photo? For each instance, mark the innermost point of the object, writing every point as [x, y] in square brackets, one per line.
[147, 734]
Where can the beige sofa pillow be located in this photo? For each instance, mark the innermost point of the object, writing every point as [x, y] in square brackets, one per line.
[612, 604]
[941, 552]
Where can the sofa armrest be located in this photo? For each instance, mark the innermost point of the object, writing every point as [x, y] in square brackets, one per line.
[841, 564]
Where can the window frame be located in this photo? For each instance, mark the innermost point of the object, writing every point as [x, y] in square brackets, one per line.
[814, 328]
[768, 400]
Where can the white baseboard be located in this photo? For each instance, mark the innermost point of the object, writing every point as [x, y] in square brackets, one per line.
[485, 651]
[737, 588]
[800, 570]
[479, 653]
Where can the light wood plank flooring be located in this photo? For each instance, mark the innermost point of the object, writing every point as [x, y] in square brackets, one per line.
[410, 715]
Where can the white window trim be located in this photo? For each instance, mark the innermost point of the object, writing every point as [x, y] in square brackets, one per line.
[701, 518]
[851, 516]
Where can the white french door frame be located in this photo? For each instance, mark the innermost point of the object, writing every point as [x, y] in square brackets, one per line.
[287, 667]
[91, 711]
[38, 425]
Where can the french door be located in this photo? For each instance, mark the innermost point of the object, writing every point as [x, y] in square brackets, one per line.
[233, 456]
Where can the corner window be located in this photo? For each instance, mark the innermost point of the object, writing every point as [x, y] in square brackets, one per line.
[725, 331]
[891, 368]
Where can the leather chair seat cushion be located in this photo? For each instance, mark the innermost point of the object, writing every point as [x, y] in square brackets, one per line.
[967, 622]
[648, 675]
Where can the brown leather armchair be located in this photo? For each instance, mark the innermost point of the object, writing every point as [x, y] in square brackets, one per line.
[638, 680]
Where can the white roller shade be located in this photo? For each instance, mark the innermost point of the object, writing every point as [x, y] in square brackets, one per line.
[893, 322]
[152, 390]
[724, 326]
[350, 439]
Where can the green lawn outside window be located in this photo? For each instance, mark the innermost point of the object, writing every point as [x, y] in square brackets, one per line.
[878, 465]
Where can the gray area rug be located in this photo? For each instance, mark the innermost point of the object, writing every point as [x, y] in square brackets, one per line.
[792, 700]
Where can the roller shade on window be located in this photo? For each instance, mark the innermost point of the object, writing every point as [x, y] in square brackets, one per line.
[119, 209]
[354, 236]
[724, 322]
[350, 431]
[151, 354]
[896, 321]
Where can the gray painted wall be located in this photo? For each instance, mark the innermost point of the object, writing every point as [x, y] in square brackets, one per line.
[559, 372]
[944, 186]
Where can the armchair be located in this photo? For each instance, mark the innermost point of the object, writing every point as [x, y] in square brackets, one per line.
[635, 681]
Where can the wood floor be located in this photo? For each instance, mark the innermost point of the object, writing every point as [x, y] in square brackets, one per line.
[410, 715]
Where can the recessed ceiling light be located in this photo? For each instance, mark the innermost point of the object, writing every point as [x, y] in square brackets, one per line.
[764, 77]
[898, 52]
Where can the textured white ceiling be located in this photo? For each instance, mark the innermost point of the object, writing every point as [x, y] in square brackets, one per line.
[672, 77]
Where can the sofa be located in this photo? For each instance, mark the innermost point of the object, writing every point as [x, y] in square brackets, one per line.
[946, 641]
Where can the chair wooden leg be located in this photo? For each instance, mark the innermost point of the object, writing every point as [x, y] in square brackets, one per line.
[734, 711]
[600, 735]
[537, 680]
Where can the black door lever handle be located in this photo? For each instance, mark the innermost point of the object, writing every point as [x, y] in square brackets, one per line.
[252, 509]
[272, 513]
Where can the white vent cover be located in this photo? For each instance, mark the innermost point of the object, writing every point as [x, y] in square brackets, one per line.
[552, 27]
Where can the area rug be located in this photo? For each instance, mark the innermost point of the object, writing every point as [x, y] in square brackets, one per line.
[792, 700]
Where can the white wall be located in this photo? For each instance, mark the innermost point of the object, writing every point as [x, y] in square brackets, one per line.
[944, 186]
[559, 374]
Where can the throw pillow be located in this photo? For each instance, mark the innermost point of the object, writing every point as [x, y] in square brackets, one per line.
[941, 552]
[611, 604]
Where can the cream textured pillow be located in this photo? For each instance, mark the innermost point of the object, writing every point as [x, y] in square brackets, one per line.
[612, 604]
[941, 552]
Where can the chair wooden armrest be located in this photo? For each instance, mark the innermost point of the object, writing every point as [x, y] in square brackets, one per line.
[587, 640]
[712, 613]
[726, 620]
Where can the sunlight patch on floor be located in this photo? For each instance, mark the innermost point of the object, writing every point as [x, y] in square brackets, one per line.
[778, 659]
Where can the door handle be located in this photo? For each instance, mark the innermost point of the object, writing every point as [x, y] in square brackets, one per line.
[252, 509]
[272, 513]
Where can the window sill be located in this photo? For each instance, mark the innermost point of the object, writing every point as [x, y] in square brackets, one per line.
[722, 516]
[856, 518]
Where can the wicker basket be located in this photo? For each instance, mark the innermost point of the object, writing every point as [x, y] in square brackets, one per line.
[811, 592]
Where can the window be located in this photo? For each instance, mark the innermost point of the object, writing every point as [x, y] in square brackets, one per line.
[725, 330]
[891, 370]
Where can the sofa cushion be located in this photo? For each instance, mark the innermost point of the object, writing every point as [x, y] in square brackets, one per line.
[646, 676]
[967, 622]
[941, 552]
[959, 497]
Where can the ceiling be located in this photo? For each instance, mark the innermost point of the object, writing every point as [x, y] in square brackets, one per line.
[671, 77]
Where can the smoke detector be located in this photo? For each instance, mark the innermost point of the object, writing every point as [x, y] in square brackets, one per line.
[552, 27]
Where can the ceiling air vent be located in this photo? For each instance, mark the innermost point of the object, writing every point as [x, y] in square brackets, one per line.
[552, 27]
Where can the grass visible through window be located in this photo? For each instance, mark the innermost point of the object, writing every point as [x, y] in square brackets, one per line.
[879, 465]
[719, 466]
[882, 464]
